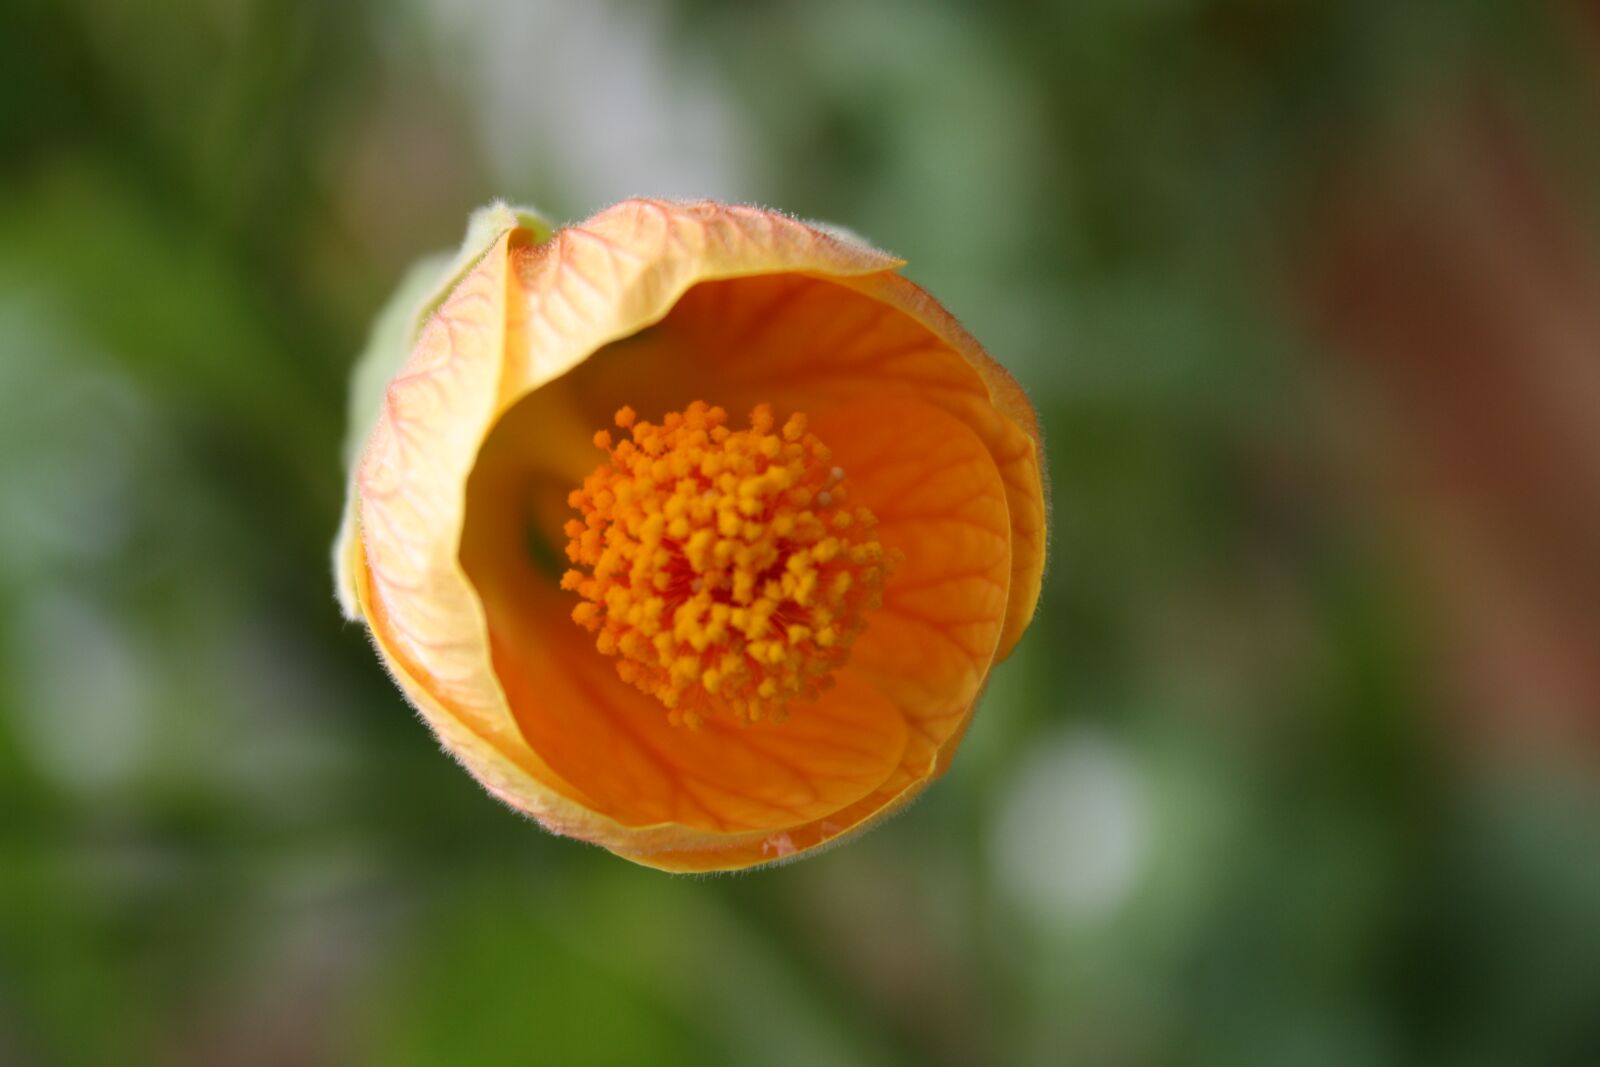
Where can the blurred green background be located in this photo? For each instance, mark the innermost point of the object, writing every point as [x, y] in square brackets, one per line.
[1299, 764]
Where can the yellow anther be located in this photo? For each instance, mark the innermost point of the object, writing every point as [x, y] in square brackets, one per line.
[720, 566]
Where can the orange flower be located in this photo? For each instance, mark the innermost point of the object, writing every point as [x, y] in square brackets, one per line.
[693, 531]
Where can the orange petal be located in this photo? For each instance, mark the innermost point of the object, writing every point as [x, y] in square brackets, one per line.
[1017, 448]
[394, 334]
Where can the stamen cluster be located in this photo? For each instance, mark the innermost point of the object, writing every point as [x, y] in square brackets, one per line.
[722, 567]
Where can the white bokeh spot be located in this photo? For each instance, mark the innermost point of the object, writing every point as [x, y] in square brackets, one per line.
[1071, 836]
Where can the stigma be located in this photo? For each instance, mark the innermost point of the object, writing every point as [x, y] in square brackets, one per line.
[723, 569]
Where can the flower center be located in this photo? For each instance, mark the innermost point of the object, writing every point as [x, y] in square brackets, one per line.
[724, 570]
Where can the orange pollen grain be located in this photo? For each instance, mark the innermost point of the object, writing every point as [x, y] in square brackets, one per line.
[722, 568]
